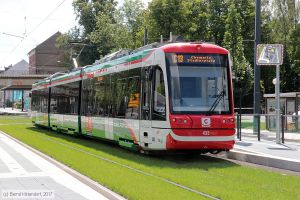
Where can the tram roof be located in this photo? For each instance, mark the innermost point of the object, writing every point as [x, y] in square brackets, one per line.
[136, 57]
[193, 47]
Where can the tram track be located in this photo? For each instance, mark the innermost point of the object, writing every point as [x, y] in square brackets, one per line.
[149, 177]
[203, 194]
[135, 170]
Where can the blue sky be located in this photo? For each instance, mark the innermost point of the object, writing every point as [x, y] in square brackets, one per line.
[12, 22]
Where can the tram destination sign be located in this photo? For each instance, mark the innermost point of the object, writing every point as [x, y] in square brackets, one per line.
[196, 59]
[269, 54]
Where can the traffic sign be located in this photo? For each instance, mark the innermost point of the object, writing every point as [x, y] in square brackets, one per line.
[269, 54]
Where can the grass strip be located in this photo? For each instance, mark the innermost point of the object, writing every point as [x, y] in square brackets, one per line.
[249, 125]
[11, 119]
[217, 177]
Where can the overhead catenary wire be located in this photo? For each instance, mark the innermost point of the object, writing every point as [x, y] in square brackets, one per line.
[34, 29]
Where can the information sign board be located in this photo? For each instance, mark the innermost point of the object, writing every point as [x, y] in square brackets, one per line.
[269, 54]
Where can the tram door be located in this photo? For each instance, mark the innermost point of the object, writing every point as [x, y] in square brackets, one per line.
[145, 122]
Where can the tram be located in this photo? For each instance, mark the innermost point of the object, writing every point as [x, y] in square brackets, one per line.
[175, 96]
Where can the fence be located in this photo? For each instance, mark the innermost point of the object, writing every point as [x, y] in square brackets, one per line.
[289, 124]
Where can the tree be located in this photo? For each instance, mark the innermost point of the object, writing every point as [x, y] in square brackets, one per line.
[78, 41]
[233, 42]
[108, 36]
[167, 16]
[86, 12]
[197, 20]
[132, 14]
[295, 56]
[246, 9]
[217, 14]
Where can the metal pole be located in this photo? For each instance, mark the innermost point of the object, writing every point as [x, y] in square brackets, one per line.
[258, 129]
[145, 36]
[240, 112]
[277, 91]
[237, 126]
[240, 127]
[282, 128]
[22, 106]
[12, 105]
[4, 105]
[256, 99]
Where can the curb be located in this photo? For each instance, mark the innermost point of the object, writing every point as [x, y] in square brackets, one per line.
[266, 160]
[84, 179]
[14, 114]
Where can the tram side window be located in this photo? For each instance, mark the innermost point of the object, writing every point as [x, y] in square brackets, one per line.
[133, 94]
[44, 100]
[95, 96]
[54, 101]
[159, 98]
[72, 93]
[87, 95]
[100, 98]
[35, 102]
[126, 94]
[119, 86]
[59, 100]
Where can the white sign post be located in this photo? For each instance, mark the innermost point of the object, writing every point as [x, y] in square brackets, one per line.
[272, 54]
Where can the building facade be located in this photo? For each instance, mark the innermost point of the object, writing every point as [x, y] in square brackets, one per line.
[45, 58]
[16, 80]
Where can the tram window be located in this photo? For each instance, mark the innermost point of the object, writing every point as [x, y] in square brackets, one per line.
[58, 104]
[159, 98]
[147, 88]
[99, 99]
[132, 93]
[72, 90]
[53, 101]
[120, 99]
[35, 100]
[44, 100]
[86, 96]
[64, 99]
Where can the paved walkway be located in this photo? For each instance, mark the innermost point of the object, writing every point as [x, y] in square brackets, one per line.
[10, 111]
[22, 176]
[267, 151]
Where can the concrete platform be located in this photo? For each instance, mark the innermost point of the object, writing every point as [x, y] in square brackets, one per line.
[22, 176]
[10, 111]
[266, 152]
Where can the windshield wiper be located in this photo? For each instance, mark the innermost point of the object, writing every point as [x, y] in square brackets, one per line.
[216, 102]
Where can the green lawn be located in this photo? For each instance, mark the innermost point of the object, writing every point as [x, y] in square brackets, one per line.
[249, 125]
[14, 119]
[124, 171]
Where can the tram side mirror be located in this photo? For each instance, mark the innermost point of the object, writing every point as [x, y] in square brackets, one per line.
[29, 95]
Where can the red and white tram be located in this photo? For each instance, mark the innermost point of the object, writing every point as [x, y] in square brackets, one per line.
[175, 96]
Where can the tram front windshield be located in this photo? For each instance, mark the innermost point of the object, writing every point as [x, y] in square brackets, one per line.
[198, 83]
